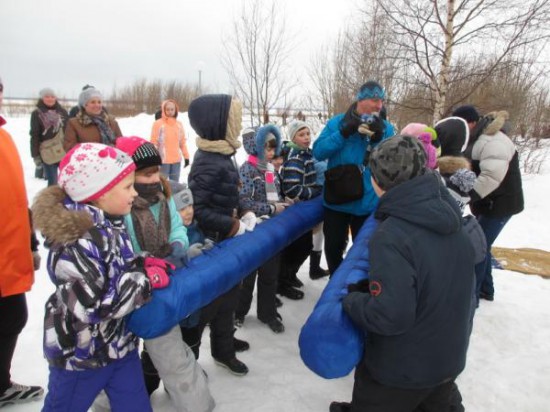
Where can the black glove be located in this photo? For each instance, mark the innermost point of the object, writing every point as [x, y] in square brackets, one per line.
[361, 286]
[350, 122]
[185, 163]
[375, 125]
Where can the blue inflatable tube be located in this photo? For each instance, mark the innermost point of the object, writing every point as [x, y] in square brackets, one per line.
[218, 270]
[330, 344]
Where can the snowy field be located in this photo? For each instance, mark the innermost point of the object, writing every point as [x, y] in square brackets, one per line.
[508, 366]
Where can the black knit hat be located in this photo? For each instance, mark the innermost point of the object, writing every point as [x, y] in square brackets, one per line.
[467, 112]
[144, 153]
[396, 160]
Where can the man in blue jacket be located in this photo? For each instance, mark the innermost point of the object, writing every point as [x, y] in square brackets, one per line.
[347, 139]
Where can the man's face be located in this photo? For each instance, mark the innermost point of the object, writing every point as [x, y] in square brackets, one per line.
[369, 106]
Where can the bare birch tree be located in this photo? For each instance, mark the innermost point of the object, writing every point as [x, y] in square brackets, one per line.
[437, 34]
[255, 57]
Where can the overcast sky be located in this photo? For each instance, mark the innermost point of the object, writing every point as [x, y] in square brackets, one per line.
[65, 44]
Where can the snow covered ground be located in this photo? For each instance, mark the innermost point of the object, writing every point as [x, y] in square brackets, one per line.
[508, 365]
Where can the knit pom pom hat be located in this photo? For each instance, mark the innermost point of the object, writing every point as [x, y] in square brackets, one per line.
[144, 153]
[87, 95]
[90, 170]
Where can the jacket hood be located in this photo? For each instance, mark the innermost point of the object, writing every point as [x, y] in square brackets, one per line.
[256, 137]
[423, 201]
[450, 164]
[59, 219]
[453, 134]
[163, 106]
[496, 121]
[209, 114]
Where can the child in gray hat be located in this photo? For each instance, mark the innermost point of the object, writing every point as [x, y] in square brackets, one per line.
[419, 296]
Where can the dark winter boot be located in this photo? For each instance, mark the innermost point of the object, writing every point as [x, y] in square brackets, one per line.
[289, 292]
[315, 269]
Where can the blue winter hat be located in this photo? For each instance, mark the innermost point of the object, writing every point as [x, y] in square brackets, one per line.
[371, 90]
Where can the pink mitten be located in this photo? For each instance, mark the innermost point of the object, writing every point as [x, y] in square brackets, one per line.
[156, 270]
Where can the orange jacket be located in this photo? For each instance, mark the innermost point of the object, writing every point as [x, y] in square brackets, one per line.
[168, 137]
[16, 266]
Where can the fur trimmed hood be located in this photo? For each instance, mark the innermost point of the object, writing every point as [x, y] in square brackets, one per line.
[450, 164]
[497, 121]
[60, 220]
[254, 140]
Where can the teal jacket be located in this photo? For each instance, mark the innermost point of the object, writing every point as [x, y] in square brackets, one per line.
[332, 146]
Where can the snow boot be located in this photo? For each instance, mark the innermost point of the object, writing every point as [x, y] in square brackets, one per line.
[315, 269]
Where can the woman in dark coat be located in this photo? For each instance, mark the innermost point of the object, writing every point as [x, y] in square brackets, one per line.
[47, 120]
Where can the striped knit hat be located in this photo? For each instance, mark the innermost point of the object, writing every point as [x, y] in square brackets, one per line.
[144, 153]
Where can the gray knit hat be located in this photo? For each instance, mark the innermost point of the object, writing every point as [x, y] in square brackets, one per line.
[46, 91]
[181, 194]
[396, 160]
[294, 127]
[87, 95]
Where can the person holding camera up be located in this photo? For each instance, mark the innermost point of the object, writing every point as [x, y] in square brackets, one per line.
[346, 142]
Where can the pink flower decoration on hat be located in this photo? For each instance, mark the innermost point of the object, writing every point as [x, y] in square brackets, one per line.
[108, 151]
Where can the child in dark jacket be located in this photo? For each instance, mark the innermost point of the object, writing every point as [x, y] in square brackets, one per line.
[214, 181]
[98, 282]
[261, 195]
[419, 296]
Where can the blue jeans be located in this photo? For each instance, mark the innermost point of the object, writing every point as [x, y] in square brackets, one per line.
[492, 226]
[50, 171]
[171, 171]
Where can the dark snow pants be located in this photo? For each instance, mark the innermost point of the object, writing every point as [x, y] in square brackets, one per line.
[13, 318]
[219, 314]
[267, 276]
[372, 396]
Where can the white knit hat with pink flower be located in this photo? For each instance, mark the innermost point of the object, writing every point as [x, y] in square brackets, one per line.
[90, 170]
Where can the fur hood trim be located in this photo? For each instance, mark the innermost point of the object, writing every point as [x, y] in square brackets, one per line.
[499, 118]
[450, 164]
[57, 223]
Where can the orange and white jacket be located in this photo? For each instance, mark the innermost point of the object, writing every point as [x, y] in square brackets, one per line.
[17, 272]
[168, 137]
